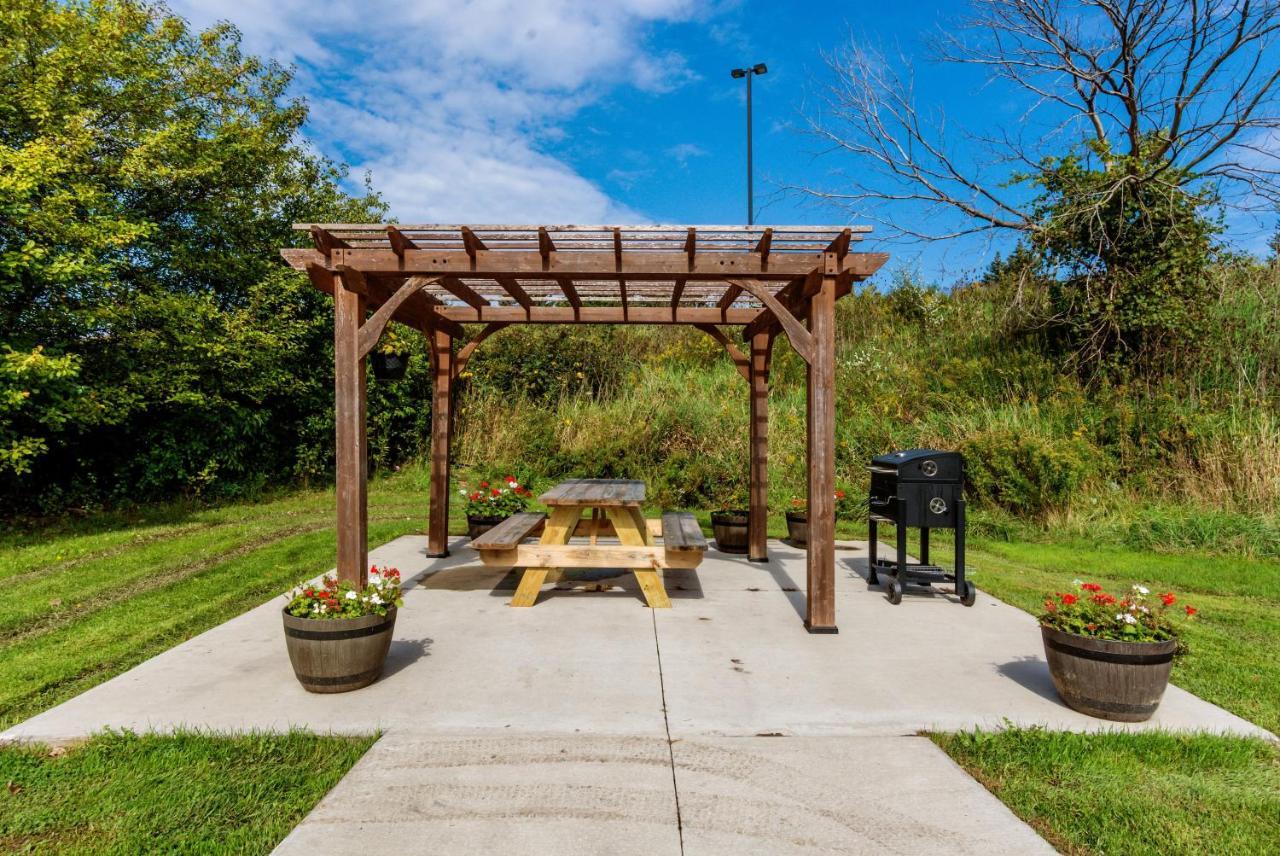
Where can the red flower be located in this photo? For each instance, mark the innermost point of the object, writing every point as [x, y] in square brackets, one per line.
[510, 479]
[1091, 587]
[1191, 610]
[1069, 599]
[1050, 606]
[1103, 598]
[494, 492]
[1092, 627]
[839, 494]
[484, 484]
[1168, 598]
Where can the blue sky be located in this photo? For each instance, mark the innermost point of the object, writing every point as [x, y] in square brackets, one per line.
[606, 111]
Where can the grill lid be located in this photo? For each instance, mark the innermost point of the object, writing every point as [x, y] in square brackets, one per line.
[924, 465]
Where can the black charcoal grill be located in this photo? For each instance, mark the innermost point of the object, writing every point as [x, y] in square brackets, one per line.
[922, 488]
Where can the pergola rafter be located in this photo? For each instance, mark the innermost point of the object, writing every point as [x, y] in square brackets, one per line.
[436, 278]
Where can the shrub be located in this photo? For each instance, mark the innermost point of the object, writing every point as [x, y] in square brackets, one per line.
[1024, 473]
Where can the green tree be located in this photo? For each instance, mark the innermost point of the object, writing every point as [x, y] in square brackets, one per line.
[150, 338]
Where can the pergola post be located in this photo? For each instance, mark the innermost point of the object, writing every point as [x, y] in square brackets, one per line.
[758, 497]
[441, 435]
[820, 558]
[350, 432]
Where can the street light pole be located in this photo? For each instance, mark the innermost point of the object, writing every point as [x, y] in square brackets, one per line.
[748, 73]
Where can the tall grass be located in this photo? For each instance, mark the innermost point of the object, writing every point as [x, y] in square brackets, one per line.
[1197, 449]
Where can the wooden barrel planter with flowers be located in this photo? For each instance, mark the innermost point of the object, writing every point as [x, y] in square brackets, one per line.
[490, 504]
[1110, 655]
[339, 654]
[798, 518]
[477, 525]
[798, 528]
[730, 528]
[338, 635]
[1120, 681]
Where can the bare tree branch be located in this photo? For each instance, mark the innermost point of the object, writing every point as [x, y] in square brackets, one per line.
[1184, 92]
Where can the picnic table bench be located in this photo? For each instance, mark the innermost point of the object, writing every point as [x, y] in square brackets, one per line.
[615, 514]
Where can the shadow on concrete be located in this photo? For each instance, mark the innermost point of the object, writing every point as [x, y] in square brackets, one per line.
[1033, 674]
[470, 578]
[775, 567]
[860, 569]
[680, 583]
[404, 653]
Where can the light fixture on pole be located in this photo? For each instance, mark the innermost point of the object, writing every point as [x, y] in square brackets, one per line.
[748, 73]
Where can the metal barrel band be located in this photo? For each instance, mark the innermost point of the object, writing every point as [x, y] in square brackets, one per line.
[333, 681]
[322, 636]
[1106, 657]
[1116, 706]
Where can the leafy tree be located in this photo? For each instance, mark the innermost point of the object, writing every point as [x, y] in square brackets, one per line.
[150, 339]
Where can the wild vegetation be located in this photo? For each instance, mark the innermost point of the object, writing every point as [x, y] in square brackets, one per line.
[1149, 458]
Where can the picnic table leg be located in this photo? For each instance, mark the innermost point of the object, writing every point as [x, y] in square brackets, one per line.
[557, 531]
[633, 532]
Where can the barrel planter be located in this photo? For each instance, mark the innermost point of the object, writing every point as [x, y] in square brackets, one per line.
[389, 366]
[1120, 681]
[334, 655]
[798, 528]
[477, 526]
[730, 528]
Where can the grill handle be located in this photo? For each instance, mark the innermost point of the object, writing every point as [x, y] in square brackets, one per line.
[877, 502]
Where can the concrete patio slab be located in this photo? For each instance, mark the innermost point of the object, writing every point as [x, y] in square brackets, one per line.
[553, 794]
[594, 794]
[740, 663]
[735, 661]
[773, 797]
[461, 661]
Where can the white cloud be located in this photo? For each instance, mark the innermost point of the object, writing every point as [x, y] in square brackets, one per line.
[445, 101]
[682, 153]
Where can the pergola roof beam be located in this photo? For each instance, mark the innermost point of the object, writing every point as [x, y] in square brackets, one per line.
[518, 294]
[662, 314]
[462, 291]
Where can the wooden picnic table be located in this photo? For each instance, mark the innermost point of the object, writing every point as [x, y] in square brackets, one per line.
[615, 513]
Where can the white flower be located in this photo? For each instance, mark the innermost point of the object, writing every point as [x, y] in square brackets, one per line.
[1142, 590]
[352, 595]
[1077, 583]
[1126, 618]
[1144, 609]
[315, 607]
[515, 484]
[375, 599]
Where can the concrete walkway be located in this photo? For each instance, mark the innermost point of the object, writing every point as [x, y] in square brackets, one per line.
[591, 724]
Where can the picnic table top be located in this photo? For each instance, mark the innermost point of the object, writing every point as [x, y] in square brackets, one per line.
[598, 493]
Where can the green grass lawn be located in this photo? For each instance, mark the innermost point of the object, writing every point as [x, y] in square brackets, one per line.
[1132, 793]
[187, 793]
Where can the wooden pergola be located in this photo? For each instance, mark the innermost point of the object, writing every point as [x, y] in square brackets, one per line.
[436, 278]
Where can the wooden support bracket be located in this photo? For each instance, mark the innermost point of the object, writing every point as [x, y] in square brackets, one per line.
[801, 340]
[460, 361]
[740, 361]
[371, 330]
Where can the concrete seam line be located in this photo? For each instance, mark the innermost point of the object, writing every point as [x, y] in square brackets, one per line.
[666, 722]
